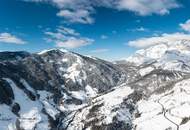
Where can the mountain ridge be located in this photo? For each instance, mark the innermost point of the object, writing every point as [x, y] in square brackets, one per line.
[61, 90]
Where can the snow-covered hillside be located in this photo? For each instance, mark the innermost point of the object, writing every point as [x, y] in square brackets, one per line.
[169, 110]
[61, 90]
[40, 91]
[168, 55]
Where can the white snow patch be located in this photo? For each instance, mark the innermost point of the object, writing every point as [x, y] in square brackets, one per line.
[75, 71]
[29, 120]
[45, 51]
[110, 101]
[64, 60]
[45, 98]
[113, 99]
[30, 112]
[91, 92]
[23, 81]
[146, 70]
[79, 95]
[7, 118]
[176, 103]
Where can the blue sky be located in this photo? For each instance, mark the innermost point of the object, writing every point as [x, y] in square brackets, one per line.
[102, 28]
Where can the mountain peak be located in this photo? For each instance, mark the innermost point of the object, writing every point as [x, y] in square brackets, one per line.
[159, 51]
[53, 50]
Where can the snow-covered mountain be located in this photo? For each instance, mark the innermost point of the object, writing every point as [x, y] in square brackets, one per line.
[167, 55]
[61, 90]
[40, 91]
[164, 71]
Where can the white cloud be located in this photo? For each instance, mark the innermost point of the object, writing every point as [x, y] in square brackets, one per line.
[55, 35]
[74, 42]
[9, 38]
[186, 26]
[68, 38]
[104, 37]
[146, 42]
[67, 31]
[78, 16]
[148, 7]
[140, 29]
[80, 11]
[99, 50]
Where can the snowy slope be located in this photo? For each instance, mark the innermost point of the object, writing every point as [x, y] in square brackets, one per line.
[61, 90]
[40, 91]
[29, 112]
[168, 55]
[102, 110]
[169, 110]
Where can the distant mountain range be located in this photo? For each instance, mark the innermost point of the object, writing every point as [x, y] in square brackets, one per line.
[61, 90]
